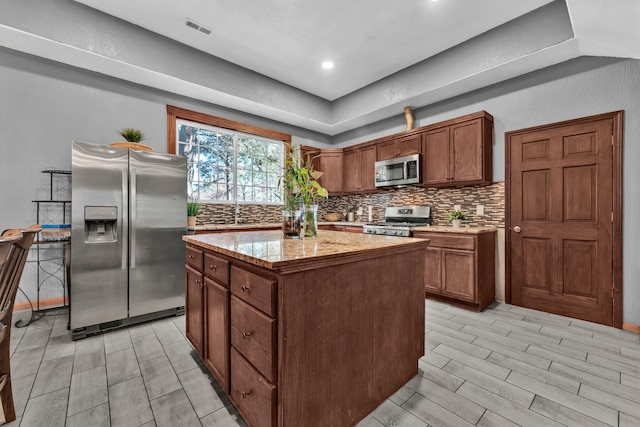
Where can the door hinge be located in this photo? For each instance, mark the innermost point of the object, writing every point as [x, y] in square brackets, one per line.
[611, 216]
[613, 142]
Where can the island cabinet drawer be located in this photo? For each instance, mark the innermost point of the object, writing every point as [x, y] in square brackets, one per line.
[217, 269]
[252, 394]
[194, 258]
[258, 291]
[253, 334]
[449, 240]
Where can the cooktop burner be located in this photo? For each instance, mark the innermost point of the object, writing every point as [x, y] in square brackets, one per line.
[399, 221]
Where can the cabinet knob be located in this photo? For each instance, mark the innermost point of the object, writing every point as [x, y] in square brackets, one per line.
[517, 229]
[245, 394]
[245, 335]
[245, 288]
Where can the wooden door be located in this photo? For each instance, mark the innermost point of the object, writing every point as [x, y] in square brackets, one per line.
[217, 332]
[465, 151]
[435, 147]
[195, 309]
[563, 211]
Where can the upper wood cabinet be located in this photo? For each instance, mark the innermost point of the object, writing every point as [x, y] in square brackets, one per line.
[329, 162]
[399, 147]
[358, 169]
[458, 153]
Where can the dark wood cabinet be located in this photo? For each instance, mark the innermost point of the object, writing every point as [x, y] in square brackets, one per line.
[207, 311]
[351, 170]
[195, 309]
[293, 336]
[399, 147]
[345, 228]
[458, 153]
[216, 319]
[331, 167]
[329, 162]
[460, 268]
[359, 169]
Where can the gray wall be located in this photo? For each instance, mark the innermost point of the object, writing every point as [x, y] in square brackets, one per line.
[43, 106]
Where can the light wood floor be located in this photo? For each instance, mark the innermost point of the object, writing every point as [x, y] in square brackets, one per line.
[504, 367]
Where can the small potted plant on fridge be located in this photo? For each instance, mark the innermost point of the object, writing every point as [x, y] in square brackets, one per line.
[132, 139]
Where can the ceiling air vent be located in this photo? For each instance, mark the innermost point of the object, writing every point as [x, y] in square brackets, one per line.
[193, 24]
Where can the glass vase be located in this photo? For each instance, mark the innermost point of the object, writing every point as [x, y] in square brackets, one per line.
[291, 224]
[310, 221]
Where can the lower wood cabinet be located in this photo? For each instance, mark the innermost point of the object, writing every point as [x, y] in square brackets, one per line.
[460, 268]
[195, 308]
[311, 346]
[216, 319]
[347, 228]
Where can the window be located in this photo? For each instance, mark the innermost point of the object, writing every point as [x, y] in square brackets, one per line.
[235, 163]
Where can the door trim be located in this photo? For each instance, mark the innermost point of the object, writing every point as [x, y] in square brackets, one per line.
[617, 117]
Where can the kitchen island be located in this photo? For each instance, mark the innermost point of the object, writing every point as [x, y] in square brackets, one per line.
[309, 332]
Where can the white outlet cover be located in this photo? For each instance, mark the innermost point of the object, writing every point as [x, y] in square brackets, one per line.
[480, 209]
[457, 207]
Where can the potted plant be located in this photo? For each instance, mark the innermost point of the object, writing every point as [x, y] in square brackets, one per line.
[310, 190]
[132, 137]
[299, 186]
[291, 209]
[192, 210]
[456, 216]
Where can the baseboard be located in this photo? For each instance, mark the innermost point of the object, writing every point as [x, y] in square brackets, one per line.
[631, 327]
[43, 303]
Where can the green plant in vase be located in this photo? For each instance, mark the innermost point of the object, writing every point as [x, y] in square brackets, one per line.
[310, 190]
[291, 212]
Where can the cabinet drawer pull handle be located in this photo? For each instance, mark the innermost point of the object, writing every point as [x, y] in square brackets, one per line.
[245, 394]
[246, 335]
[190, 256]
[245, 288]
[213, 267]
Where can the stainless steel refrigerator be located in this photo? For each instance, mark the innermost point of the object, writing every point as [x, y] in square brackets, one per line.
[127, 256]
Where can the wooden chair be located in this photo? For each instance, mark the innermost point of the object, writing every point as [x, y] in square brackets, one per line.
[10, 276]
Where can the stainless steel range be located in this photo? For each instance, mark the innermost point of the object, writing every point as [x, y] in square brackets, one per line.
[400, 221]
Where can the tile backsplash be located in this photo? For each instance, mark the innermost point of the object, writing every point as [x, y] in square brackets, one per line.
[441, 201]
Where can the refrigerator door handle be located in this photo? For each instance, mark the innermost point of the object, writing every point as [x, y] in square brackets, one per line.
[132, 221]
[125, 217]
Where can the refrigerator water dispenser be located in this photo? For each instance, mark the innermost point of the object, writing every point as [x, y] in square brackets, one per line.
[100, 224]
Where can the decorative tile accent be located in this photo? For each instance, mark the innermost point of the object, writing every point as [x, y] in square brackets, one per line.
[440, 200]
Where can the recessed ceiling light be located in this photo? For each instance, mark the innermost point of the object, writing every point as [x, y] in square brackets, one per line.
[327, 65]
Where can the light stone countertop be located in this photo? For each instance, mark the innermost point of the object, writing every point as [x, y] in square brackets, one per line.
[266, 226]
[269, 249]
[450, 229]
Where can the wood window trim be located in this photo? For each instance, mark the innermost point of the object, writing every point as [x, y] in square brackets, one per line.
[174, 113]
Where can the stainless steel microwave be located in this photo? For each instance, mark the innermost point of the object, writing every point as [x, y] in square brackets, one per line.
[398, 171]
